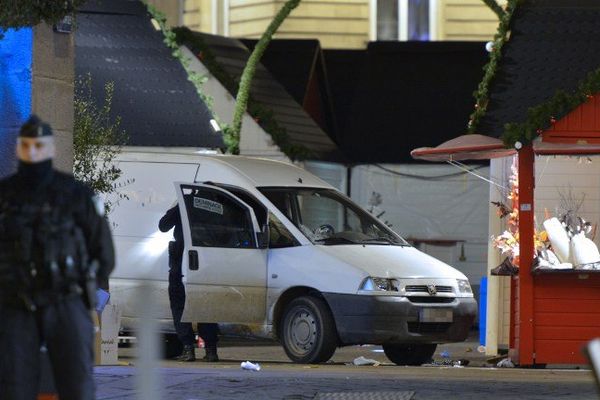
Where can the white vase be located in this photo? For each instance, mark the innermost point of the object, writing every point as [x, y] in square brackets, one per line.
[559, 239]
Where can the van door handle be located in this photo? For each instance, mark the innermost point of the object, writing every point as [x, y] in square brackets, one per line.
[193, 260]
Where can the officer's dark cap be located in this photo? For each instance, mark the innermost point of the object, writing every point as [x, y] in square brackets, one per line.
[34, 127]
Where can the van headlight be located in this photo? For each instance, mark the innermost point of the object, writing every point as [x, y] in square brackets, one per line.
[464, 286]
[379, 284]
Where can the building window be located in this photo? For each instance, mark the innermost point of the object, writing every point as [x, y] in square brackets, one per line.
[403, 19]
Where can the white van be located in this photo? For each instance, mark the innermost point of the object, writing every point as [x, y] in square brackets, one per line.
[273, 251]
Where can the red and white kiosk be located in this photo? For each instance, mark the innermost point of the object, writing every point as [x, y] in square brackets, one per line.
[554, 313]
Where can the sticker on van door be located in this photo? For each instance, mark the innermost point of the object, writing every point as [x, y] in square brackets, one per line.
[208, 205]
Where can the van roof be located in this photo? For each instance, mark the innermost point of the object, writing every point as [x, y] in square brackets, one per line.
[266, 172]
[231, 169]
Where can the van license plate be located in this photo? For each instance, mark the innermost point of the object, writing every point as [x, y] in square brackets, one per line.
[435, 315]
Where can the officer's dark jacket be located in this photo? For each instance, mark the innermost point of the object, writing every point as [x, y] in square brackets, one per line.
[172, 218]
[49, 225]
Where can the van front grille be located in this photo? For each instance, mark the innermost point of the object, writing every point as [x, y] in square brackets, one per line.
[430, 299]
[423, 288]
[428, 327]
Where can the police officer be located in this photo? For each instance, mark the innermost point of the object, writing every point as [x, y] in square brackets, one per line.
[185, 332]
[52, 231]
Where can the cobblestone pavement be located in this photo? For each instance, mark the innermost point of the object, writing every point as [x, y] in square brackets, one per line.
[280, 379]
[273, 382]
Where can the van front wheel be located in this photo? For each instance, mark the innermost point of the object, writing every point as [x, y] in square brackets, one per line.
[308, 331]
[409, 354]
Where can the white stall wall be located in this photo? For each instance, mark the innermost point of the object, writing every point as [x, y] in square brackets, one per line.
[560, 177]
[432, 202]
[332, 173]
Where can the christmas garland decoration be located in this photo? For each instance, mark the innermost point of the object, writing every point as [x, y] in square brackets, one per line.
[264, 116]
[494, 7]
[243, 93]
[547, 113]
[26, 13]
[482, 93]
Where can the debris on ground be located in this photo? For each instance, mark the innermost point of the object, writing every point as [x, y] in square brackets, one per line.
[250, 366]
[365, 361]
[496, 359]
[447, 362]
[506, 363]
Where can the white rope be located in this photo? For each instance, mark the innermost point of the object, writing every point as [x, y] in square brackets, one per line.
[465, 168]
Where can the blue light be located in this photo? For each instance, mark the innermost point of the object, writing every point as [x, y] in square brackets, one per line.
[15, 91]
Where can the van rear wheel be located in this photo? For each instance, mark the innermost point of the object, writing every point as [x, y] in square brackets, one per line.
[308, 331]
[409, 354]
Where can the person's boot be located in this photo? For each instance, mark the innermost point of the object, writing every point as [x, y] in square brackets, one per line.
[211, 354]
[188, 354]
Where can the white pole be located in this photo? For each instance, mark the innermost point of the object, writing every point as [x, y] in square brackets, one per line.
[403, 20]
[226, 26]
[372, 20]
[148, 377]
[434, 20]
[214, 20]
[493, 284]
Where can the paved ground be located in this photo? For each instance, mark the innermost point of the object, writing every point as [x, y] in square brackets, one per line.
[428, 383]
[280, 379]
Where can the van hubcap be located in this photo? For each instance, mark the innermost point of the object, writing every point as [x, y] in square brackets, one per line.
[302, 332]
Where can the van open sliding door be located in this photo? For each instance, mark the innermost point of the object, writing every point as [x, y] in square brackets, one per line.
[224, 266]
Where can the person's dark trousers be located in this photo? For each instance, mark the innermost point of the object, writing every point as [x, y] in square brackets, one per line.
[68, 331]
[185, 331]
[208, 332]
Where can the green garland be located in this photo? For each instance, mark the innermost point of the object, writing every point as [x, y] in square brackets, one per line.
[261, 114]
[545, 114]
[243, 93]
[24, 13]
[482, 93]
[494, 7]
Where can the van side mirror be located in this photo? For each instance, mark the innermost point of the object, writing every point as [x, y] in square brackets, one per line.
[263, 237]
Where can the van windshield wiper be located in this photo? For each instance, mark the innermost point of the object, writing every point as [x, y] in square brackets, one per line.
[335, 240]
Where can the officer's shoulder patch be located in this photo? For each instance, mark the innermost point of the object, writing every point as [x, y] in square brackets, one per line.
[98, 205]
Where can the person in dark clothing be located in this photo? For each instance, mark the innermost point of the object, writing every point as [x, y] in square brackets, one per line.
[185, 332]
[55, 245]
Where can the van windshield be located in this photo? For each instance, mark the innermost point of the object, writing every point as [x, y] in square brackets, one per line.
[326, 217]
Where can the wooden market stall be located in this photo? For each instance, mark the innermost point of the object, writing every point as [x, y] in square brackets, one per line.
[540, 96]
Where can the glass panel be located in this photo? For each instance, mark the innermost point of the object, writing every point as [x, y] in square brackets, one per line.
[260, 211]
[216, 220]
[281, 200]
[387, 19]
[327, 217]
[279, 235]
[418, 19]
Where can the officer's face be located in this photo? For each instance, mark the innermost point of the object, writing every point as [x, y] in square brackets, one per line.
[35, 150]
